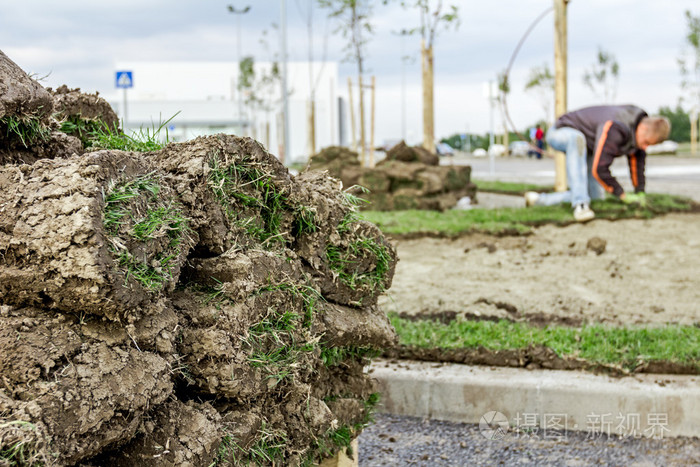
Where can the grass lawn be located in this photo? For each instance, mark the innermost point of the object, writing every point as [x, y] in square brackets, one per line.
[511, 188]
[517, 220]
[626, 347]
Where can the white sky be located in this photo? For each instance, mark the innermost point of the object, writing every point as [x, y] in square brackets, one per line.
[78, 43]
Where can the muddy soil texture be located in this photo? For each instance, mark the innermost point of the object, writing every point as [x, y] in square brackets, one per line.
[191, 306]
[408, 178]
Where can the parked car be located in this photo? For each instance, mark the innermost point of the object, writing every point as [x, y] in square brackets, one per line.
[479, 152]
[497, 150]
[519, 148]
[444, 149]
[667, 147]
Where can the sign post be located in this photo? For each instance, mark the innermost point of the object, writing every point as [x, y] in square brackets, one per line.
[490, 91]
[124, 80]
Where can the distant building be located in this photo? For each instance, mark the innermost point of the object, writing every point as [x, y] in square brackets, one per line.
[204, 99]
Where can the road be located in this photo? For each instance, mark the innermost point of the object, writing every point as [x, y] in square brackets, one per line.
[676, 175]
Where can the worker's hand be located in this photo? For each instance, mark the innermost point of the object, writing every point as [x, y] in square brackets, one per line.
[634, 198]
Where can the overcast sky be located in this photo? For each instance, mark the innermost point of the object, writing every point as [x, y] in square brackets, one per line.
[78, 42]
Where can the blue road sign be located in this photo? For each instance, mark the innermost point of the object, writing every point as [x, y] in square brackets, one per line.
[125, 79]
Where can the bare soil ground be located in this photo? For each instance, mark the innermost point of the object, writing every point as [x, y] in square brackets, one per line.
[628, 272]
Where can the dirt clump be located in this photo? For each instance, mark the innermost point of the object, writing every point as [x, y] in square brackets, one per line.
[82, 113]
[66, 220]
[597, 245]
[193, 305]
[404, 153]
[73, 104]
[409, 178]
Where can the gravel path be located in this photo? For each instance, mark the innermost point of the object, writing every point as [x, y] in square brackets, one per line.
[397, 440]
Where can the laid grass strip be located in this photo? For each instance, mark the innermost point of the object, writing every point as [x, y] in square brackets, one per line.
[517, 220]
[626, 347]
[510, 188]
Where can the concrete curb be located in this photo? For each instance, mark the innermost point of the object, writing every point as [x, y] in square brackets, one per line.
[653, 406]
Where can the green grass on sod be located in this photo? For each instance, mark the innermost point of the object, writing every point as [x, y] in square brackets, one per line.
[626, 347]
[517, 220]
[511, 188]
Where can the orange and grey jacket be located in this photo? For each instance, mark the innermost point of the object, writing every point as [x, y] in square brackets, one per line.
[610, 133]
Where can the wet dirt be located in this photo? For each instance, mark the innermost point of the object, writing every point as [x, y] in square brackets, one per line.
[627, 272]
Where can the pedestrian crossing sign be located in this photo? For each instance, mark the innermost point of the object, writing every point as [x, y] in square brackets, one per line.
[125, 79]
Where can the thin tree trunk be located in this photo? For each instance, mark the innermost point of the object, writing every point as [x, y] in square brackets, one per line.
[312, 127]
[363, 140]
[371, 123]
[694, 132]
[351, 108]
[428, 99]
[560, 85]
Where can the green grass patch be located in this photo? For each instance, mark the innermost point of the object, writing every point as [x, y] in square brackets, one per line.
[333, 356]
[341, 437]
[280, 339]
[28, 130]
[626, 347]
[510, 188]
[240, 186]
[18, 444]
[150, 277]
[83, 129]
[306, 293]
[141, 140]
[267, 450]
[157, 221]
[345, 260]
[517, 220]
[305, 221]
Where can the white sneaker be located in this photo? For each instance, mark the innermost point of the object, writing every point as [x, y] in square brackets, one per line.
[582, 213]
[531, 198]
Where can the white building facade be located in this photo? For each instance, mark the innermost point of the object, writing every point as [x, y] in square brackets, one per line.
[203, 98]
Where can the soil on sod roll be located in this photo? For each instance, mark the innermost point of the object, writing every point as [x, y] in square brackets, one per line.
[100, 234]
[28, 131]
[194, 305]
[409, 178]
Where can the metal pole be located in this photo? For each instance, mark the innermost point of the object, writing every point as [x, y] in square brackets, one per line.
[285, 97]
[124, 113]
[403, 88]
[240, 90]
[492, 160]
[239, 13]
[372, 125]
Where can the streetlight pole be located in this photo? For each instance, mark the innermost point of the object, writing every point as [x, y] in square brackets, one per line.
[492, 155]
[239, 13]
[285, 96]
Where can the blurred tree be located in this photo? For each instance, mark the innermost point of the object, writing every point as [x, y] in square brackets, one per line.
[689, 63]
[476, 141]
[603, 76]
[257, 86]
[353, 17]
[307, 13]
[541, 82]
[431, 18]
[680, 123]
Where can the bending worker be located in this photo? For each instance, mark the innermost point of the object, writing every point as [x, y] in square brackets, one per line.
[592, 138]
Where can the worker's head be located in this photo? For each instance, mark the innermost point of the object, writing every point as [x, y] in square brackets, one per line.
[652, 130]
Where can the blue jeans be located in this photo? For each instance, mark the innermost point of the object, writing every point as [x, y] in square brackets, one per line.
[582, 185]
